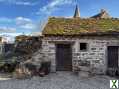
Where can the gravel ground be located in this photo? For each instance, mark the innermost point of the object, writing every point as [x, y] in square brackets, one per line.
[59, 80]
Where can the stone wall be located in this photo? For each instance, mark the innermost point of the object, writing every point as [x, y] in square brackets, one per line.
[48, 50]
[96, 55]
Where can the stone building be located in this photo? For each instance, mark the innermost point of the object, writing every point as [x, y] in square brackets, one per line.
[6, 47]
[70, 43]
[21, 38]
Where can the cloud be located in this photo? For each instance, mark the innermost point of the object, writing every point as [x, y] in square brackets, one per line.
[7, 30]
[28, 26]
[19, 22]
[22, 20]
[53, 5]
[25, 3]
[25, 23]
[10, 34]
[19, 2]
[36, 34]
[4, 19]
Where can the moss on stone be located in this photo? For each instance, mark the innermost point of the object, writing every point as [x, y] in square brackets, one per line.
[75, 26]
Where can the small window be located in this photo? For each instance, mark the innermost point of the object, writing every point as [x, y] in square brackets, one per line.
[83, 46]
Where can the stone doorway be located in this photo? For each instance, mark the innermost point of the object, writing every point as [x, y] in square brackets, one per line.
[63, 57]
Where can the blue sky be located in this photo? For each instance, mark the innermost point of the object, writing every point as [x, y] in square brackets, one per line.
[29, 16]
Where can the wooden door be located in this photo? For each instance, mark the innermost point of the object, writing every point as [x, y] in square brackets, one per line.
[63, 57]
[113, 57]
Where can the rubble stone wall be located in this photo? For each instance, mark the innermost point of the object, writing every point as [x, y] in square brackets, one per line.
[96, 54]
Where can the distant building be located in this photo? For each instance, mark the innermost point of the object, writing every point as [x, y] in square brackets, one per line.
[7, 39]
[21, 38]
[6, 47]
[103, 14]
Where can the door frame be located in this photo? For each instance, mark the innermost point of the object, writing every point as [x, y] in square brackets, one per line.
[117, 55]
[67, 43]
[107, 68]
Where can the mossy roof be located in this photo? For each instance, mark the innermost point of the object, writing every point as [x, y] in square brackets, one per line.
[78, 26]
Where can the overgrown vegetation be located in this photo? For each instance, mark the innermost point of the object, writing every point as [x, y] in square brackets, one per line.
[27, 47]
[24, 51]
[7, 66]
[73, 26]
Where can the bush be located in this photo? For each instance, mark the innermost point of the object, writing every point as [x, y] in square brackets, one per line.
[8, 67]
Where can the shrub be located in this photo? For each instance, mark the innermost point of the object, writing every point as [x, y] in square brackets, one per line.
[8, 66]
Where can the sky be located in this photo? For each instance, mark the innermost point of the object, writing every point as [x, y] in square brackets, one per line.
[30, 16]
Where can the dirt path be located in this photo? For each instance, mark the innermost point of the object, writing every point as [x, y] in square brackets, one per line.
[59, 80]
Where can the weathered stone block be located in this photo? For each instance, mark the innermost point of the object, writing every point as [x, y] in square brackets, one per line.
[93, 48]
[96, 61]
[83, 74]
[84, 68]
[52, 48]
[76, 54]
[92, 53]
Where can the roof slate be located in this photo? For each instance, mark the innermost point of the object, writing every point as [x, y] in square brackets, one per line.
[78, 26]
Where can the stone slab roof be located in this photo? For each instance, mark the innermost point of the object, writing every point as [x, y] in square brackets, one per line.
[79, 26]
